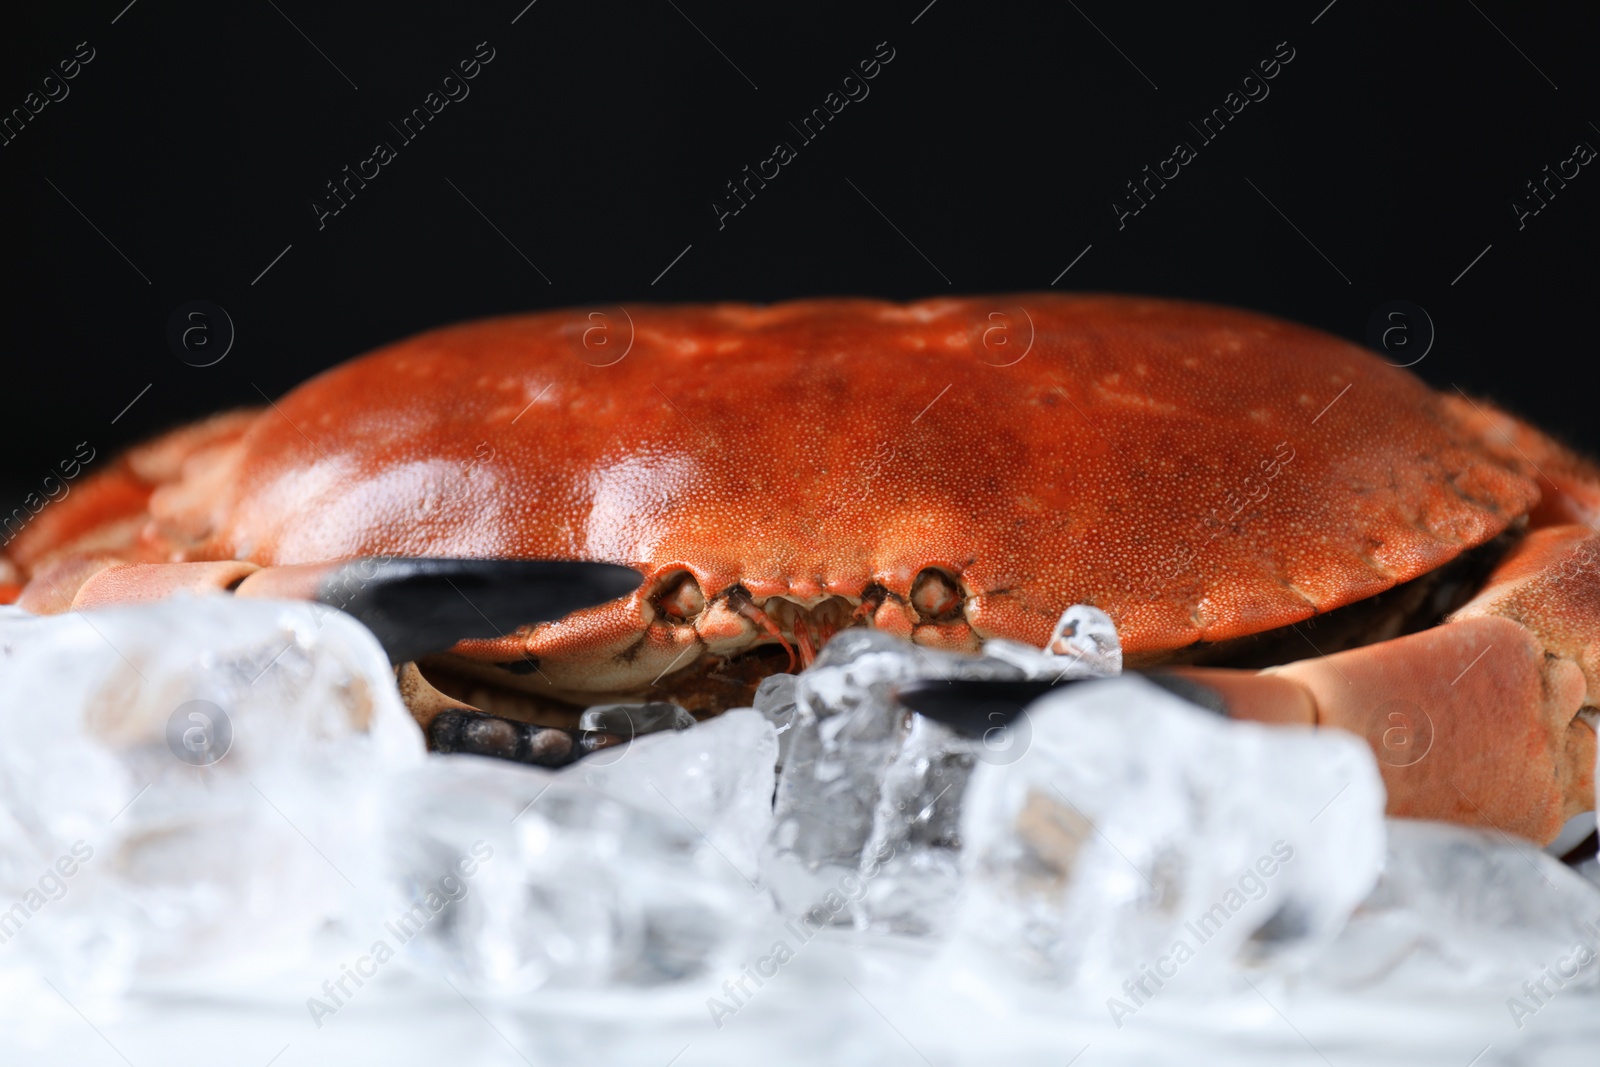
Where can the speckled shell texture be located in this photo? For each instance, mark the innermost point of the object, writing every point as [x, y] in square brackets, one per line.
[1198, 472]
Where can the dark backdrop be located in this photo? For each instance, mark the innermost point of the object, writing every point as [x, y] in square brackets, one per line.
[186, 155]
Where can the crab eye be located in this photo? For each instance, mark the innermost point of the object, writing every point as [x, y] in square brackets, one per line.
[936, 596]
[680, 598]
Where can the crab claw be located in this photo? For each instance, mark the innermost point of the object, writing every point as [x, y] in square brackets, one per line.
[971, 707]
[417, 606]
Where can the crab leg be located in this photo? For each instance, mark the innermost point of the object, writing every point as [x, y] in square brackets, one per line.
[121, 583]
[1488, 719]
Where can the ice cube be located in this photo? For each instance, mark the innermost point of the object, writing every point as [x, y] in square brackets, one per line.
[716, 778]
[912, 860]
[1458, 908]
[847, 731]
[1138, 831]
[869, 800]
[1086, 635]
[202, 767]
[541, 878]
[775, 700]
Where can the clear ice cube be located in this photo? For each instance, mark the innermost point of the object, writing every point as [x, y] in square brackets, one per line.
[775, 700]
[1458, 908]
[912, 859]
[717, 779]
[1138, 831]
[866, 825]
[568, 885]
[205, 769]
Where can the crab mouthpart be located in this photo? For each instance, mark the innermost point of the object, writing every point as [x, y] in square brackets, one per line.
[808, 624]
[801, 625]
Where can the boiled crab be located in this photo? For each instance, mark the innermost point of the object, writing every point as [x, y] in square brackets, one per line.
[948, 471]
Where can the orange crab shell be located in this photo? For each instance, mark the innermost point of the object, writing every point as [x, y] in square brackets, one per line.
[1198, 472]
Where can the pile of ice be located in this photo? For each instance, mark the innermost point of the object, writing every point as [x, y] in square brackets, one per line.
[199, 793]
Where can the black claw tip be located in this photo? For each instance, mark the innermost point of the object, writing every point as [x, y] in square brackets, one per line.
[1192, 691]
[417, 606]
[1583, 850]
[971, 708]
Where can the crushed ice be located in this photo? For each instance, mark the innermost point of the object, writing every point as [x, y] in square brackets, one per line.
[197, 793]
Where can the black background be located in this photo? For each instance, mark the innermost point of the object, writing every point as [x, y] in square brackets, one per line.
[995, 141]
